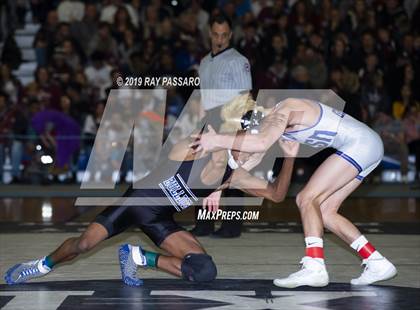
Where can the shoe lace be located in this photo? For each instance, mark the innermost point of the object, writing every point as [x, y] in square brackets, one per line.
[303, 268]
[29, 271]
[365, 265]
[366, 261]
[303, 261]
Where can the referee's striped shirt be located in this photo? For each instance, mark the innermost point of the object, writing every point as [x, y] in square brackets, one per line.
[223, 76]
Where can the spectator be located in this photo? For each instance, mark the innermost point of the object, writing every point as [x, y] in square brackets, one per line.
[269, 14]
[387, 46]
[370, 70]
[273, 78]
[189, 32]
[91, 126]
[70, 54]
[167, 36]
[406, 76]
[61, 70]
[393, 16]
[43, 89]
[3, 131]
[98, 73]
[375, 99]
[150, 54]
[202, 17]
[62, 33]
[357, 18]
[60, 133]
[10, 53]
[83, 31]
[316, 68]
[339, 55]
[190, 118]
[104, 42]
[41, 49]
[121, 24]
[65, 105]
[151, 23]
[368, 47]
[18, 141]
[49, 27]
[9, 84]
[70, 11]
[411, 123]
[402, 106]
[299, 78]
[165, 66]
[109, 8]
[127, 47]
[301, 17]
[392, 134]
[238, 31]
[332, 27]
[249, 45]
[174, 106]
[258, 5]
[277, 50]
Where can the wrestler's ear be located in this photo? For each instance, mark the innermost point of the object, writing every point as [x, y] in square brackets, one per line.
[210, 129]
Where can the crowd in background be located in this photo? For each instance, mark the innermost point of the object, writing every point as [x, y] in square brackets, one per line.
[367, 51]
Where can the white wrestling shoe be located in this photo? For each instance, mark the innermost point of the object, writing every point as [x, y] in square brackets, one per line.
[378, 269]
[313, 273]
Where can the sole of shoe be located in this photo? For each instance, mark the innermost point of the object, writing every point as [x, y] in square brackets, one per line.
[295, 284]
[123, 253]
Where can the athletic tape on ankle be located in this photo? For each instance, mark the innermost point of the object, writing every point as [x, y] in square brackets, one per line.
[315, 252]
[151, 258]
[366, 250]
[48, 262]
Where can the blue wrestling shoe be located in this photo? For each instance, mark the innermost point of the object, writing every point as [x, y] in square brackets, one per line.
[128, 266]
[24, 272]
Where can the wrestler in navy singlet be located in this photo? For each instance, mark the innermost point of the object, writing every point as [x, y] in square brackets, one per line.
[156, 220]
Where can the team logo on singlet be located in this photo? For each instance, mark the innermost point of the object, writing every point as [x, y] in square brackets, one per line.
[321, 138]
[178, 192]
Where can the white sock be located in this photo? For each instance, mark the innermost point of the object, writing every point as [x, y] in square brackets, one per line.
[312, 242]
[359, 243]
[138, 258]
[375, 255]
[44, 269]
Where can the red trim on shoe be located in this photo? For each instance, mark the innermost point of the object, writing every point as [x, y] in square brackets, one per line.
[315, 252]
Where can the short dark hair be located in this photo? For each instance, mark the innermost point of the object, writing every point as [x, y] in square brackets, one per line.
[220, 18]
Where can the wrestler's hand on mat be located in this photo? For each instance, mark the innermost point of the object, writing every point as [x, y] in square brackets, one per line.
[205, 142]
[212, 201]
[290, 148]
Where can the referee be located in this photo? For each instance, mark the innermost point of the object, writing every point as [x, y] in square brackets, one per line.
[224, 74]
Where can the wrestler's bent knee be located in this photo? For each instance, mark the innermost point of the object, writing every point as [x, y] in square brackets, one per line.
[198, 268]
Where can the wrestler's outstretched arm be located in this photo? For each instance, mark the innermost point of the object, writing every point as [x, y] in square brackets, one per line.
[270, 131]
[212, 202]
[276, 191]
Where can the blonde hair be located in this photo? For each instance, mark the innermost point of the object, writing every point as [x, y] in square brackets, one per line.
[233, 111]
